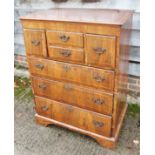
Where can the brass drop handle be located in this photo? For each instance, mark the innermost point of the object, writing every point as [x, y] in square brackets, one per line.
[65, 53]
[98, 124]
[66, 68]
[44, 108]
[70, 108]
[64, 38]
[42, 86]
[99, 78]
[98, 101]
[35, 42]
[68, 87]
[39, 66]
[99, 50]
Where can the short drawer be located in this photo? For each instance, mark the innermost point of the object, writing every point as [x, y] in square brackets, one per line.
[100, 50]
[66, 54]
[80, 118]
[90, 99]
[68, 39]
[78, 74]
[35, 42]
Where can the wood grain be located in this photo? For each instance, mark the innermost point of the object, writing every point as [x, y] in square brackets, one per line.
[79, 74]
[73, 55]
[73, 27]
[100, 50]
[35, 42]
[96, 16]
[108, 142]
[63, 38]
[86, 120]
[90, 99]
[121, 76]
[78, 64]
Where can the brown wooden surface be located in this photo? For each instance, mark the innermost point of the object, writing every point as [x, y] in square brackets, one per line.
[109, 142]
[90, 99]
[35, 42]
[121, 76]
[79, 74]
[73, 55]
[87, 120]
[63, 38]
[72, 27]
[101, 16]
[87, 84]
[100, 50]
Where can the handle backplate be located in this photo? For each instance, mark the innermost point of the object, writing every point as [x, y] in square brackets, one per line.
[64, 38]
[99, 50]
[65, 53]
[66, 68]
[68, 87]
[44, 108]
[98, 101]
[98, 124]
[39, 66]
[42, 86]
[98, 78]
[35, 42]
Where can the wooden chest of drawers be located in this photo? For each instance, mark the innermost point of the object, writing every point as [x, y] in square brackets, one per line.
[78, 60]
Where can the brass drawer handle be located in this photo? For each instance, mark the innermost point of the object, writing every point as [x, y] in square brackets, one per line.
[42, 86]
[99, 78]
[35, 42]
[70, 109]
[66, 68]
[39, 66]
[68, 87]
[98, 101]
[64, 38]
[99, 51]
[98, 124]
[65, 53]
[44, 108]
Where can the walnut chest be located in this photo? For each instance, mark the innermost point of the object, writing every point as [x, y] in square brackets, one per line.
[78, 61]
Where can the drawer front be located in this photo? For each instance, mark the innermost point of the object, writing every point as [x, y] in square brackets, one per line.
[90, 99]
[35, 42]
[100, 50]
[65, 54]
[83, 75]
[64, 38]
[74, 116]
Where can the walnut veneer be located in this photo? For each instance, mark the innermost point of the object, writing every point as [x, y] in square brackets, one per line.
[78, 64]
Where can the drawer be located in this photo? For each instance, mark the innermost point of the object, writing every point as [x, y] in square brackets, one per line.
[100, 50]
[90, 99]
[78, 74]
[80, 118]
[64, 38]
[35, 42]
[66, 54]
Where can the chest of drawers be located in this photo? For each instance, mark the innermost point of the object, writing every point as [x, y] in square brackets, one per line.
[78, 61]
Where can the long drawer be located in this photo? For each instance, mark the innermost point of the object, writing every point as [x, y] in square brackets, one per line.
[72, 94]
[79, 74]
[84, 119]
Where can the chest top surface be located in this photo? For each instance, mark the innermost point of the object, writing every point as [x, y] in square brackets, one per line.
[100, 16]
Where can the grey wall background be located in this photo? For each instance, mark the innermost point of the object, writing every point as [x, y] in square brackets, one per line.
[23, 7]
